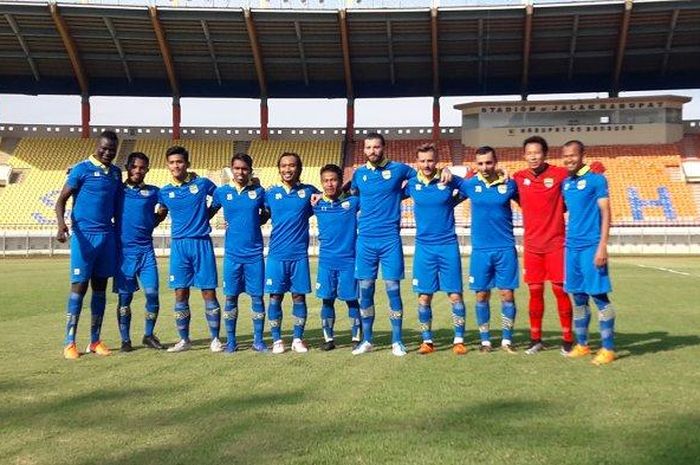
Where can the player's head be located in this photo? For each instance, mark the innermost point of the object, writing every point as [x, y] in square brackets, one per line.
[535, 150]
[136, 167]
[178, 159]
[486, 160]
[289, 166]
[572, 154]
[374, 147]
[332, 180]
[426, 159]
[106, 148]
[241, 168]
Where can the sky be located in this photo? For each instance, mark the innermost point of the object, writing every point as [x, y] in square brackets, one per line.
[133, 111]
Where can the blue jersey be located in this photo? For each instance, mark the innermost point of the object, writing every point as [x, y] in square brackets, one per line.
[433, 208]
[242, 209]
[187, 204]
[337, 231]
[380, 190]
[96, 193]
[290, 211]
[492, 216]
[581, 194]
[136, 216]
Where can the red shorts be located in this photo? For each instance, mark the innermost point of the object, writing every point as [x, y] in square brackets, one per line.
[541, 267]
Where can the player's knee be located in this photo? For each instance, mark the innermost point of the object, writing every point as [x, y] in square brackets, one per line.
[425, 299]
[392, 285]
[209, 294]
[483, 296]
[299, 298]
[366, 284]
[507, 295]
[601, 300]
[558, 289]
[256, 299]
[79, 288]
[98, 284]
[536, 289]
[456, 298]
[276, 298]
[580, 299]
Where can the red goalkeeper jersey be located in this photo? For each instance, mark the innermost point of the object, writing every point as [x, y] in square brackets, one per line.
[543, 208]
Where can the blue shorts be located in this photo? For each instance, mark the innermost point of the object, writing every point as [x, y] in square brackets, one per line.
[136, 265]
[287, 276]
[582, 276]
[437, 268]
[494, 268]
[192, 263]
[92, 256]
[332, 284]
[243, 277]
[371, 252]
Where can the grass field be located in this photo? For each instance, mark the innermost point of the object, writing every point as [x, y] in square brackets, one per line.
[333, 408]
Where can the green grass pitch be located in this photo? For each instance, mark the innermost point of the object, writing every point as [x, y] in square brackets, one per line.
[333, 408]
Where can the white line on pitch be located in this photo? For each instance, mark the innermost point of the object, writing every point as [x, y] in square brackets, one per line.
[669, 270]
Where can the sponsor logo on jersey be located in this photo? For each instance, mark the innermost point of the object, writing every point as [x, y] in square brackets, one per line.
[96, 174]
[194, 189]
[581, 184]
[364, 178]
[386, 174]
[502, 189]
[548, 182]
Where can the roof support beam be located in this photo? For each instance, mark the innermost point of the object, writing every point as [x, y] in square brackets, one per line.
[257, 53]
[435, 50]
[210, 46]
[572, 47]
[71, 49]
[164, 51]
[527, 44]
[390, 52]
[621, 47]
[302, 54]
[22, 43]
[669, 40]
[345, 44]
[481, 50]
[117, 44]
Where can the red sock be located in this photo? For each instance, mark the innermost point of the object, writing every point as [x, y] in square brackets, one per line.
[564, 309]
[536, 310]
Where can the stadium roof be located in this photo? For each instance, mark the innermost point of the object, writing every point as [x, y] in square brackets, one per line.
[226, 52]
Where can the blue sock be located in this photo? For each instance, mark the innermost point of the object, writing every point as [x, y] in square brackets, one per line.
[230, 319]
[258, 315]
[367, 308]
[582, 318]
[393, 292]
[97, 310]
[182, 319]
[508, 311]
[152, 308]
[483, 317]
[299, 311]
[425, 320]
[328, 318]
[124, 315]
[355, 321]
[274, 314]
[459, 315]
[212, 310]
[75, 305]
[606, 320]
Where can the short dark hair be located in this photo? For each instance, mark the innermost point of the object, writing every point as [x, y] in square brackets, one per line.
[376, 135]
[136, 156]
[244, 157]
[537, 140]
[334, 169]
[484, 149]
[581, 147]
[110, 136]
[291, 154]
[427, 147]
[178, 150]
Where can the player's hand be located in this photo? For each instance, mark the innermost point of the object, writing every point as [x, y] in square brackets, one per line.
[601, 256]
[315, 198]
[63, 232]
[503, 171]
[445, 176]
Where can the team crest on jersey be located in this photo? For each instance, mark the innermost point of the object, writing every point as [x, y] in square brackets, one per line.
[477, 188]
[301, 194]
[502, 189]
[194, 189]
[229, 196]
[548, 182]
[581, 184]
[386, 174]
[96, 174]
[364, 178]
[345, 205]
[418, 187]
[527, 182]
[278, 196]
[171, 195]
[145, 193]
[441, 186]
[252, 195]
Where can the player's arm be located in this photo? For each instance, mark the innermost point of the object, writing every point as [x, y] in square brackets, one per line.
[601, 255]
[63, 197]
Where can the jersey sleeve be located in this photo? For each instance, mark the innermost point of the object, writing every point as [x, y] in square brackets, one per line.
[409, 172]
[353, 183]
[601, 188]
[216, 199]
[266, 200]
[209, 186]
[462, 187]
[514, 190]
[75, 177]
[161, 198]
